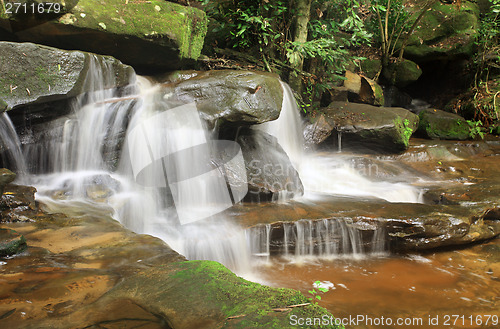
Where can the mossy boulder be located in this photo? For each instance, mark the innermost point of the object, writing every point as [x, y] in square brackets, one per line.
[11, 242]
[437, 124]
[34, 74]
[370, 67]
[365, 127]
[403, 73]
[446, 31]
[228, 96]
[148, 35]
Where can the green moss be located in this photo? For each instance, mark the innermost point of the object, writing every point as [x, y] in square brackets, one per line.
[437, 124]
[159, 21]
[236, 296]
[405, 130]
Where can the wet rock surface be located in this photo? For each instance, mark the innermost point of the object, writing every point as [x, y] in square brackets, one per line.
[84, 269]
[47, 77]
[461, 206]
[236, 98]
[369, 128]
[6, 177]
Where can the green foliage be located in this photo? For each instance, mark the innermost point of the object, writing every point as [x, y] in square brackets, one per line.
[265, 28]
[315, 294]
[476, 129]
[487, 63]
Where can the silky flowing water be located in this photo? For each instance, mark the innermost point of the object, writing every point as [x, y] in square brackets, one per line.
[82, 169]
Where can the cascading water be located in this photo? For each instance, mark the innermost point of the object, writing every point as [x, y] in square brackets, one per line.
[85, 166]
[327, 238]
[10, 146]
[328, 173]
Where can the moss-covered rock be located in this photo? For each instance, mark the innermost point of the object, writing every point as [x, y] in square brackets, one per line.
[403, 73]
[370, 67]
[35, 74]
[437, 124]
[447, 30]
[146, 34]
[229, 96]
[365, 127]
[11, 242]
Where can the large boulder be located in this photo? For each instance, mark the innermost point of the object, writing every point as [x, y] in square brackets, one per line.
[363, 126]
[232, 97]
[403, 73]
[149, 35]
[47, 77]
[437, 124]
[446, 31]
[270, 174]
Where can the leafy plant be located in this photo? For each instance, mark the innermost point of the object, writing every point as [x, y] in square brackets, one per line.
[393, 24]
[315, 294]
[476, 129]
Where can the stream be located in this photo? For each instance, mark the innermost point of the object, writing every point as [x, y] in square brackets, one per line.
[365, 227]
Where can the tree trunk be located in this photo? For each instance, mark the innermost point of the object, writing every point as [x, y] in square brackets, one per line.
[300, 35]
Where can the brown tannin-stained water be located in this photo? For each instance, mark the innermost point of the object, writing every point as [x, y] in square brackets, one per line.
[451, 289]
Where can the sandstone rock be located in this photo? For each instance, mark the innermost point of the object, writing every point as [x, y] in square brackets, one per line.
[372, 128]
[363, 90]
[315, 133]
[38, 75]
[446, 31]
[148, 35]
[230, 97]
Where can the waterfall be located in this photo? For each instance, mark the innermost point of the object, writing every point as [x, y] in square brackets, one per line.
[328, 174]
[137, 152]
[327, 238]
[11, 153]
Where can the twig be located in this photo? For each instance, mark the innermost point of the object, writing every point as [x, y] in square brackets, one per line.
[236, 316]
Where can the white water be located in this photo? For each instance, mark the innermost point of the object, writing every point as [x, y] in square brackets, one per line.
[329, 174]
[10, 146]
[81, 152]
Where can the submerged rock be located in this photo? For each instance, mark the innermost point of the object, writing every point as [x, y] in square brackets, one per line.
[366, 127]
[437, 124]
[147, 35]
[46, 78]
[11, 242]
[230, 97]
